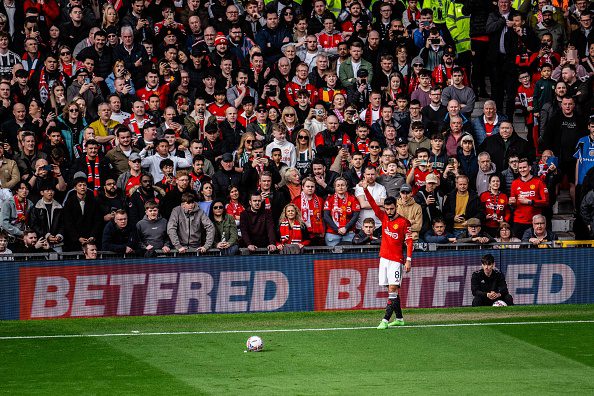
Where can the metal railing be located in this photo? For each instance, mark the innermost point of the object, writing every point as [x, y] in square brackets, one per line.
[419, 247]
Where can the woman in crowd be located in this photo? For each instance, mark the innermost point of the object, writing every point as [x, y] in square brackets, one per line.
[234, 206]
[55, 40]
[72, 125]
[119, 70]
[305, 152]
[292, 182]
[14, 215]
[244, 151]
[206, 193]
[496, 206]
[395, 87]
[506, 236]
[110, 17]
[341, 211]
[273, 115]
[226, 233]
[289, 120]
[292, 229]
[338, 106]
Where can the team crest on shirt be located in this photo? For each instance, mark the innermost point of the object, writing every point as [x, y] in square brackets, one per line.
[532, 186]
[502, 200]
[395, 226]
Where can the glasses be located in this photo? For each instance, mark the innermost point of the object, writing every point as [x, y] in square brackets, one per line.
[303, 137]
[467, 142]
[418, 65]
[65, 53]
[289, 115]
[288, 13]
[262, 111]
[218, 207]
[73, 110]
[405, 192]
[249, 141]
[374, 147]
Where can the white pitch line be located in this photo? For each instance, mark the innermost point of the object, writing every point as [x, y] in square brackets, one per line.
[175, 333]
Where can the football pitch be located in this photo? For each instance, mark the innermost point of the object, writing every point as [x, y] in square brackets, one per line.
[513, 350]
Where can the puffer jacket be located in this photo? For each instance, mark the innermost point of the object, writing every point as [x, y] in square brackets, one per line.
[187, 229]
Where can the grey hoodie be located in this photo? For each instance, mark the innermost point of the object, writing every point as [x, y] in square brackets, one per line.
[152, 232]
[482, 179]
[186, 229]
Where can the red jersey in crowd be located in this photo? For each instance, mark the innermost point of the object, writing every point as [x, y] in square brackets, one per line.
[218, 111]
[533, 189]
[293, 87]
[395, 233]
[496, 208]
[419, 177]
[245, 119]
[341, 210]
[162, 91]
[525, 98]
[330, 41]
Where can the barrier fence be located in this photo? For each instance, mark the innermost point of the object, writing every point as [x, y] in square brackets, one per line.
[43, 289]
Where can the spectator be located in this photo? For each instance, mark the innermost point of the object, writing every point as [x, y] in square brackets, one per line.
[538, 235]
[341, 212]
[410, 210]
[488, 124]
[90, 249]
[47, 219]
[486, 170]
[510, 173]
[141, 194]
[431, 201]
[474, 234]
[15, 212]
[461, 204]
[366, 236]
[377, 191]
[187, 226]
[257, 225]
[488, 284]
[81, 215]
[226, 236]
[173, 198]
[496, 206]
[458, 91]
[152, 161]
[152, 231]
[30, 243]
[505, 237]
[505, 143]
[5, 252]
[292, 230]
[438, 233]
[528, 195]
[119, 236]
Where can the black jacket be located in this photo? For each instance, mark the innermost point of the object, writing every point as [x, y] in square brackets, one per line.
[40, 221]
[222, 180]
[481, 284]
[79, 225]
[116, 240]
[496, 147]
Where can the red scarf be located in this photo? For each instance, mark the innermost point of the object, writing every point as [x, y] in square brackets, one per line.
[311, 213]
[290, 232]
[234, 209]
[44, 85]
[369, 115]
[21, 210]
[413, 16]
[339, 210]
[93, 176]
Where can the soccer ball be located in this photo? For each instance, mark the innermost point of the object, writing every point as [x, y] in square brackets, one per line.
[254, 344]
[499, 303]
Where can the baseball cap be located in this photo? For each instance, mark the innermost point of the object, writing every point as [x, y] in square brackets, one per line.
[548, 8]
[473, 222]
[199, 49]
[261, 107]
[406, 188]
[134, 157]
[400, 141]
[418, 60]
[362, 73]
[148, 125]
[432, 178]
[227, 157]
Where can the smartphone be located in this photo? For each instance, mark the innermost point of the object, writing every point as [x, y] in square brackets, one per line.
[434, 41]
[87, 80]
[47, 168]
[451, 161]
[572, 54]
[423, 163]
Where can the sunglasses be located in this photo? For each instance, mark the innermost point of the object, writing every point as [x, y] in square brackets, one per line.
[65, 53]
[262, 111]
[405, 192]
[218, 207]
[418, 65]
[249, 141]
[73, 111]
[289, 115]
[374, 147]
[303, 137]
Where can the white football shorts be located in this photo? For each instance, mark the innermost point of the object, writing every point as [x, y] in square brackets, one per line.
[390, 272]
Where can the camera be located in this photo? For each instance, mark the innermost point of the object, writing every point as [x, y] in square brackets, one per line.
[318, 112]
[434, 41]
[47, 168]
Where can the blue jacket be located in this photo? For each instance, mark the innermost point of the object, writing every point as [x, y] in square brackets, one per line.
[271, 41]
[478, 128]
[430, 237]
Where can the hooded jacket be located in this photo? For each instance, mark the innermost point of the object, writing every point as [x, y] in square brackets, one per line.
[482, 179]
[187, 229]
[40, 221]
[412, 212]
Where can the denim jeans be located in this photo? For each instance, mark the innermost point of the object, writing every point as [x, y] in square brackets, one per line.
[335, 239]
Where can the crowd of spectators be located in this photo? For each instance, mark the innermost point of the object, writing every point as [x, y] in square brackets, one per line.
[139, 126]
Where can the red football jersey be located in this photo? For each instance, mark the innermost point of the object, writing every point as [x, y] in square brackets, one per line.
[395, 233]
[533, 189]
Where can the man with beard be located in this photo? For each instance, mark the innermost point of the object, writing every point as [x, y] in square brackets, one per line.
[147, 191]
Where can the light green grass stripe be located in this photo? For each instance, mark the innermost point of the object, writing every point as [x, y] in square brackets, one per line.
[177, 333]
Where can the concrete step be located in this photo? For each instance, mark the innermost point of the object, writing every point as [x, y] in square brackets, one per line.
[562, 223]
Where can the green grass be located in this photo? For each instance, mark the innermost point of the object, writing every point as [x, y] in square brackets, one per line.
[518, 359]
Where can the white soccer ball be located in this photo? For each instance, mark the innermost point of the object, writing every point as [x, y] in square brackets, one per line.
[254, 344]
[499, 303]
